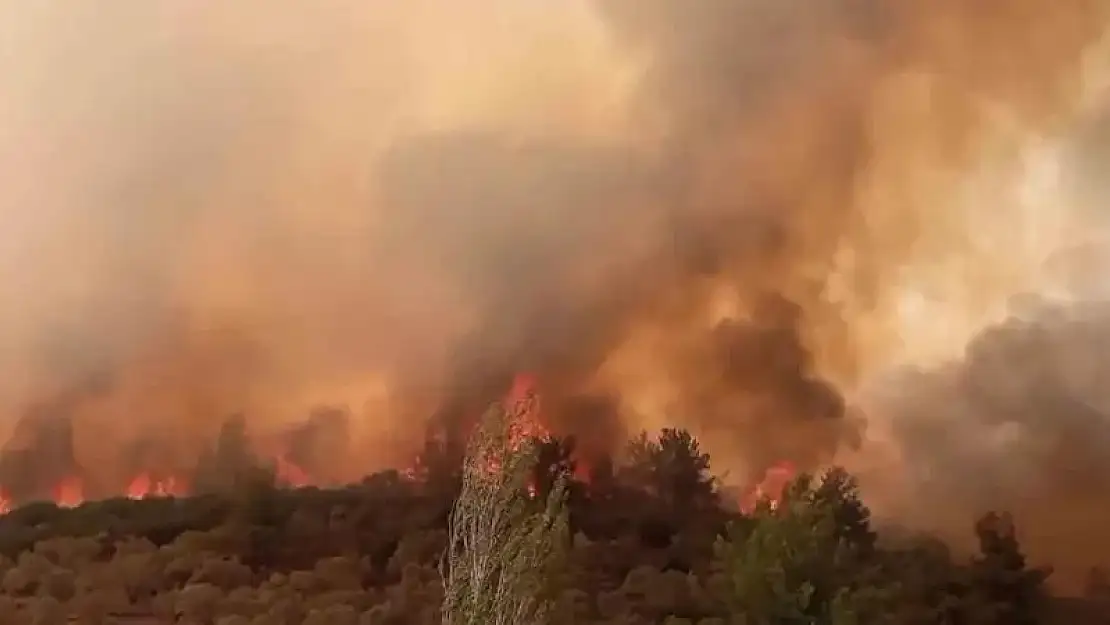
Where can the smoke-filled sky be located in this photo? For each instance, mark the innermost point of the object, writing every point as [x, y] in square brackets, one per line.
[730, 215]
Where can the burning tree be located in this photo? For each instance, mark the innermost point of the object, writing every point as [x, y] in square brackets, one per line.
[505, 546]
[806, 557]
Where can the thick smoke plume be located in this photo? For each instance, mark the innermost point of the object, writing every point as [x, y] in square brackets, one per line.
[1019, 418]
[706, 214]
[1020, 423]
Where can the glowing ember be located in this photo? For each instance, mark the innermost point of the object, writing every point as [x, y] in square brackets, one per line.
[523, 407]
[144, 486]
[582, 472]
[522, 404]
[771, 487]
[69, 493]
[289, 474]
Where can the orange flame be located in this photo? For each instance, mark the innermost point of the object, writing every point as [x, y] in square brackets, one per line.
[289, 474]
[582, 472]
[69, 493]
[770, 487]
[144, 486]
[521, 405]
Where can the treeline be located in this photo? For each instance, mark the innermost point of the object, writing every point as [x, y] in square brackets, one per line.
[647, 541]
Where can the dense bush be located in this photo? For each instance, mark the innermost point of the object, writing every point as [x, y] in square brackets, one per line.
[649, 546]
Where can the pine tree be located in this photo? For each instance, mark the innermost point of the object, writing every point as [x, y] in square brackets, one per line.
[673, 467]
[808, 560]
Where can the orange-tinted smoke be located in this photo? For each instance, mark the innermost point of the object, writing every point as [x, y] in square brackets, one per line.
[1020, 423]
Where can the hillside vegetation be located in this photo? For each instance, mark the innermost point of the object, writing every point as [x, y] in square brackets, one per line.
[648, 541]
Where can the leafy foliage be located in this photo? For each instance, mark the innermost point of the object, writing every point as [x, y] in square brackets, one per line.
[673, 467]
[1006, 590]
[805, 560]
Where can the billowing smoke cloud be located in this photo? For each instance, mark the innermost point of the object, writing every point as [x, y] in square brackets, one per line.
[705, 214]
[1020, 423]
[1018, 420]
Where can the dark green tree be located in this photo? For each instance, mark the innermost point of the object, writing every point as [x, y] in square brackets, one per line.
[1002, 588]
[440, 462]
[637, 468]
[256, 499]
[673, 467]
[807, 560]
[930, 589]
[838, 493]
[230, 461]
[259, 510]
